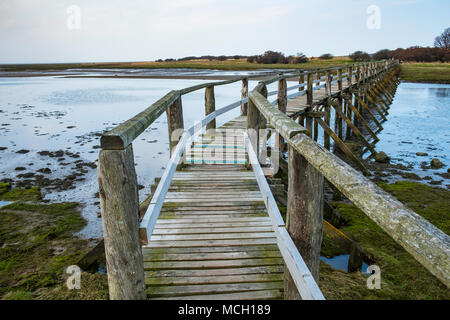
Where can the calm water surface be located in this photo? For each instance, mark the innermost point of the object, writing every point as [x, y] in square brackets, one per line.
[418, 121]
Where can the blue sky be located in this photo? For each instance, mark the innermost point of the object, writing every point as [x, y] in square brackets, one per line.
[138, 30]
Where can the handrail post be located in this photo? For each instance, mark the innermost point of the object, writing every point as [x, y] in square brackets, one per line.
[253, 126]
[210, 106]
[301, 80]
[309, 101]
[120, 209]
[175, 123]
[304, 216]
[326, 136]
[282, 106]
[244, 94]
[338, 120]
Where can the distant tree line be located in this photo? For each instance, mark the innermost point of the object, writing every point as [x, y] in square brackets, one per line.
[272, 57]
[269, 57]
[210, 58]
[412, 54]
[440, 52]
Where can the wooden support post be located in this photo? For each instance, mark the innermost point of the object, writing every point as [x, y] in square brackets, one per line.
[348, 132]
[316, 129]
[326, 136]
[363, 121]
[282, 105]
[355, 129]
[309, 101]
[349, 76]
[364, 105]
[374, 104]
[175, 123]
[301, 80]
[337, 119]
[244, 94]
[304, 216]
[120, 209]
[343, 147]
[210, 106]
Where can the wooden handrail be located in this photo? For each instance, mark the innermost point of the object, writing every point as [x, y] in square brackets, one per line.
[425, 242]
[304, 281]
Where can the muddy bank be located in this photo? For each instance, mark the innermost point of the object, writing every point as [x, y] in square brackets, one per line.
[37, 244]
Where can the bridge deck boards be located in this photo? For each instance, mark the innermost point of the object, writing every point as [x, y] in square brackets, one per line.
[214, 238]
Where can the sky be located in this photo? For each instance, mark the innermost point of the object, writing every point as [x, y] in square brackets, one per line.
[46, 31]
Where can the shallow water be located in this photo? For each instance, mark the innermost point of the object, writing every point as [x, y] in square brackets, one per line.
[47, 113]
[418, 121]
[341, 263]
[4, 203]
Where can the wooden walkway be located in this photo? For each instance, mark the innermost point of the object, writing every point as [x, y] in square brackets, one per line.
[296, 106]
[212, 228]
[214, 238]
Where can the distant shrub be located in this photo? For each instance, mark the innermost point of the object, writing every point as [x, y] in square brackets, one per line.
[382, 54]
[271, 57]
[360, 56]
[326, 56]
[251, 59]
[221, 58]
[299, 58]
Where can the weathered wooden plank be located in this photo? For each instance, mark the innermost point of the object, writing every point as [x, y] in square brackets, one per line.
[211, 230]
[200, 220]
[211, 256]
[200, 250]
[165, 226]
[207, 264]
[214, 272]
[250, 278]
[213, 288]
[248, 295]
[212, 236]
[211, 243]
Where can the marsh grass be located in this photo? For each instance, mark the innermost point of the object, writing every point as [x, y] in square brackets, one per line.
[425, 72]
[402, 277]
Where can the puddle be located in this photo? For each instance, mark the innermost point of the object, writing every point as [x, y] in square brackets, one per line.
[341, 263]
[4, 203]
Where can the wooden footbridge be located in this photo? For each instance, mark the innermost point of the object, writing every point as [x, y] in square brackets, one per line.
[212, 228]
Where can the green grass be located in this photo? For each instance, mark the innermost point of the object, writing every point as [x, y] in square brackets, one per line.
[30, 194]
[402, 277]
[425, 72]
[37, 245]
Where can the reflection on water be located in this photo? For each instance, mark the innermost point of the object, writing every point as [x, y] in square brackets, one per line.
[4, 203]
[341, 262]
[419, 121]
[439, 92]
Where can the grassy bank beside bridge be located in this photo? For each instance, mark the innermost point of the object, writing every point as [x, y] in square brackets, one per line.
[425, 72]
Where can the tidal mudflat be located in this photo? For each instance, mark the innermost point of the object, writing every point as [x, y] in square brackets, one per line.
[50, 129]
[417, 131]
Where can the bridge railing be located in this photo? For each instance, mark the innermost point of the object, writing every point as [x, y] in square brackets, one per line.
[309, 163]
[117, 177]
